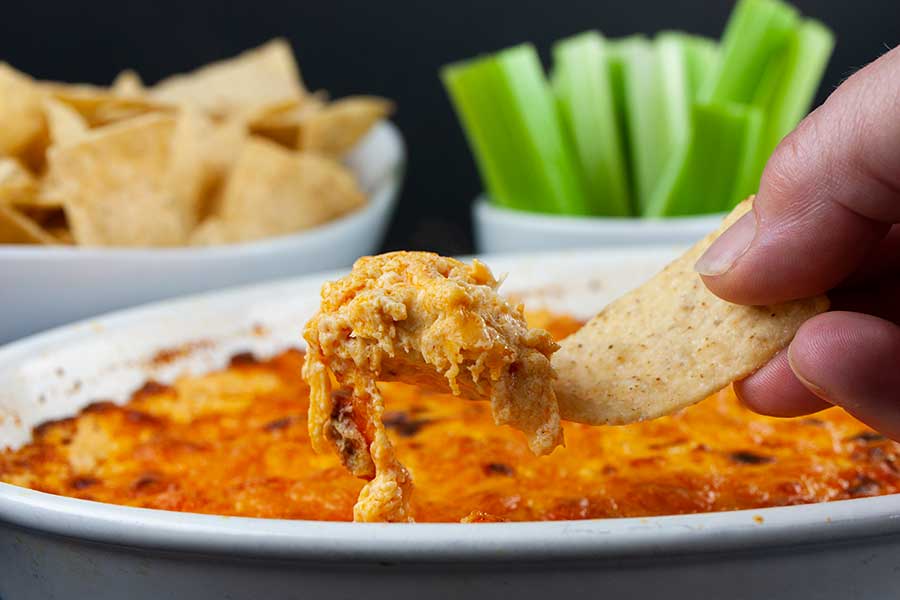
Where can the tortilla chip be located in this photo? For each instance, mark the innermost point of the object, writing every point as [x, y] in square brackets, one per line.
[338, 127]
[210, 232]
[669, 344]
[17, 184]
[65, 124]
[243, 85]
[282, 124]
[281, 113]
[21, 114]
[274, 191]
[51, 219]
[128, 84]
[63, 235]
[113, 183]
[16, 228]
[48, 196]
[100, 106]
[203, 152]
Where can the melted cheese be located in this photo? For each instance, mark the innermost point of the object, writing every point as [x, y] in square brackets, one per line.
[247, 453]
[439, 323]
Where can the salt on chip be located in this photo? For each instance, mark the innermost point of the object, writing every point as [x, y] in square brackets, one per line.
[17, 184]
[21, 113]
[339, 126]
[274, 191]
[16, 228]
[249, 83]
[64, 123]
[113, 183]
[669, 344]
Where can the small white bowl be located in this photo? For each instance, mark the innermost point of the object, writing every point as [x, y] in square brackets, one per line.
[499, 229]
[41, 287]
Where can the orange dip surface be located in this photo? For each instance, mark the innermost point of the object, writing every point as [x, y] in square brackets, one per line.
[235, 442]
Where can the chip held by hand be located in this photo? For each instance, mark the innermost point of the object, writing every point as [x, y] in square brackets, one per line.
[669, 344]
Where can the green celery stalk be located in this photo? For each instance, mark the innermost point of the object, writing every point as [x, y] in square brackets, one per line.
[756, 32]
[790, 91]
[702, 179]
[734, 100]
[468, 85]
[581, 82]
[530, 102]
[641, 102]
[702, 61]
[616, 51]
[654, 79]
[675, 91]
[510, 118]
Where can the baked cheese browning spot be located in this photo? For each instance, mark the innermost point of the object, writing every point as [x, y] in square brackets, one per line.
[668, 344]
[432, 321]
[253, 459]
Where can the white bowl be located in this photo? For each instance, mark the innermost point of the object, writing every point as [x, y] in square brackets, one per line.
[42, 287]
[500, 230]
[57, 547]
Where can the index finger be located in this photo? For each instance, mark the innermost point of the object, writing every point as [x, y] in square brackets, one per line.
[828, 196]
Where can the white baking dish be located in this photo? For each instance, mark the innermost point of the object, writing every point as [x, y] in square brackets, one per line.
[55, 547]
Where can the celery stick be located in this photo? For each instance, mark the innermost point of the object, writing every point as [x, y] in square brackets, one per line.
[702, 179]
[616, 50]
[528, 97]
[795, 89]
[641, 102]
[675, 95]
[467, 85]
[646, 117]
[516, 133]
[581, 81]
[702, 60]
[656, 94]
[756, 32]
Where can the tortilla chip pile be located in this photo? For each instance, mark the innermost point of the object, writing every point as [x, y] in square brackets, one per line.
[234, 151]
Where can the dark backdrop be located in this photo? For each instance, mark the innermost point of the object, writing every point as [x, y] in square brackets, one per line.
[392, 48]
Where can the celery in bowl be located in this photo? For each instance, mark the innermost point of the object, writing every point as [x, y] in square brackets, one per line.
[635, 140]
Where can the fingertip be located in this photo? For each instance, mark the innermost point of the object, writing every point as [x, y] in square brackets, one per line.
[798, 252]
[852, 360]
[842, 354]
[774, 391]
[724, 252]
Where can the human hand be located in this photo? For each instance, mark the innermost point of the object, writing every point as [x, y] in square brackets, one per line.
[825, 220]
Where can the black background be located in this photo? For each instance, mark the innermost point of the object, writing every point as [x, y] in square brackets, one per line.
[391, 48]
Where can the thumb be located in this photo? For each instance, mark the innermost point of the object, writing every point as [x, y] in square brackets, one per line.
[828, 195]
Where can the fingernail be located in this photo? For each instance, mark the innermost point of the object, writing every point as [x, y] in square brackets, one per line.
[730, 246]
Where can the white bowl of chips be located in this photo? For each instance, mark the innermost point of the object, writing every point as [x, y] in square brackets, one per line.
[44, 286]
[230, 174]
